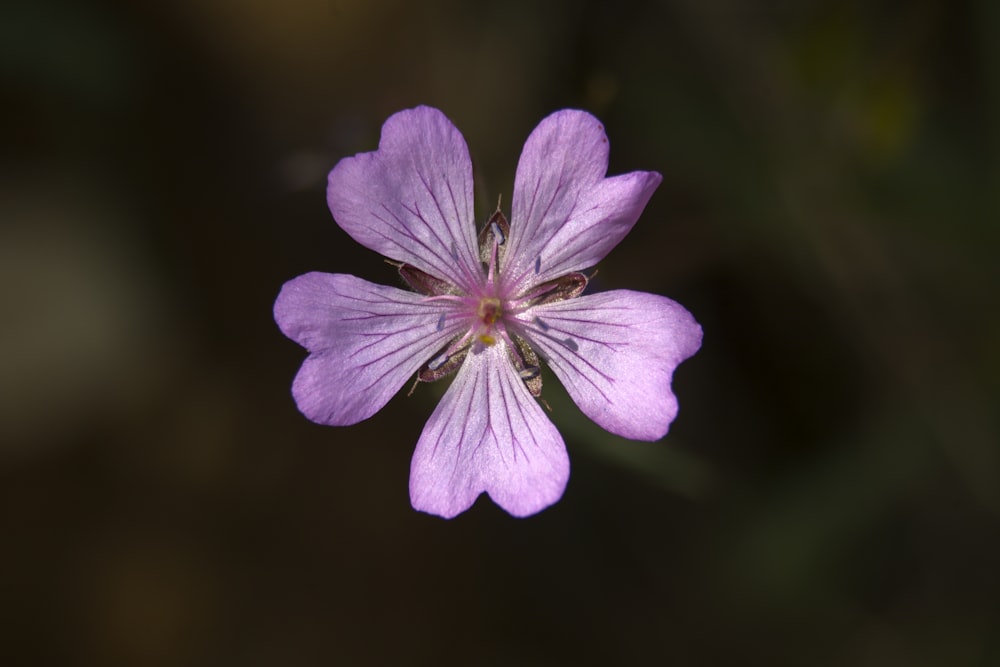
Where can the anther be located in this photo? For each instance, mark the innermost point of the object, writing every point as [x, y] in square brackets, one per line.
[530, 372]
[438, 361]
[497, 233]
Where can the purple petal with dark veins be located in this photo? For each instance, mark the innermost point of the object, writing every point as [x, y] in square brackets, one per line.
[364, 340]
[488, 435]
[566, 215]
[411, 200]
[615, 352]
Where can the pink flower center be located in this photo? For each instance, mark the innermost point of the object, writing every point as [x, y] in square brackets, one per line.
[490, 310]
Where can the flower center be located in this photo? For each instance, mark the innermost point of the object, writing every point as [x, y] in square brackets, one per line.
[489, 311]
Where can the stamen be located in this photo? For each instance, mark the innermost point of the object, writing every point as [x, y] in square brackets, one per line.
[423, 282]
[445, 363]
[498, 234]
[567, 287]
[525, 362]
[454, 347]
[542, 290]
[454, 298]
[438, 361]
[530, 372]
[493, 235]
[491, 273]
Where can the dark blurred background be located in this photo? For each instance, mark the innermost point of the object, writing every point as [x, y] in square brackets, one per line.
[829, 495]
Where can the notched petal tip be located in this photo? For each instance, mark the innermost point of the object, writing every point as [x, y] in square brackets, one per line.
[625, 348]
[411, 200]
[488, 435]
[365, 342]
[567, 214]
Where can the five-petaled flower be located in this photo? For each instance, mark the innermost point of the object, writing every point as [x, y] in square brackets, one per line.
[488, 306]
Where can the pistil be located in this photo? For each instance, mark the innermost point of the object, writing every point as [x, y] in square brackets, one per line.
[489, 311]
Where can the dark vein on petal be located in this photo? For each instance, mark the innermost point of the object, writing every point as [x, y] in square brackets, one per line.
[571, 361]
[465, 424]
[554, 258]
[458, 217]
[488, 428]
[437, 204]
[574, 360]
[414, 349]
[379, 298]
[403, 230]
[409, 234]
[597, 341]
[444, 220]
[589, 306]
[546, 232]
[547, 327]
[524, 420]
[506, 413]
[560, 315]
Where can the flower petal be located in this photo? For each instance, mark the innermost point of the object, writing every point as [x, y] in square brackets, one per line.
[566, 215]
[488, 434]
[615, 352]
[411, 200]
[365, 341]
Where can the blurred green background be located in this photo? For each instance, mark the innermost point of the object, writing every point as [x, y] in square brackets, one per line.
[829, 495]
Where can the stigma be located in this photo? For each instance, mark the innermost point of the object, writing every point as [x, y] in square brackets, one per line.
[489, 311]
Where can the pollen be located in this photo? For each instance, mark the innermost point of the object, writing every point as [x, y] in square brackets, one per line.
[489, 311]
[487, 340]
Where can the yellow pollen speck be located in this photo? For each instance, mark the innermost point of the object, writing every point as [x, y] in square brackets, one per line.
[487, 340]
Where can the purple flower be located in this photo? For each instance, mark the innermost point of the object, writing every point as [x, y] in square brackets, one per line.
[487, 307]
